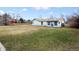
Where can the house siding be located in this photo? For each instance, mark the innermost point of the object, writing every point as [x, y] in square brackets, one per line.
[52, 24]
[45, 23]
[36, 23]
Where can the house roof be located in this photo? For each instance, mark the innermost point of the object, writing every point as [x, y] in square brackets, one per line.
[49, 19]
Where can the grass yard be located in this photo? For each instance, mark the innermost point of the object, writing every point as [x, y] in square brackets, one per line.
[31, 38]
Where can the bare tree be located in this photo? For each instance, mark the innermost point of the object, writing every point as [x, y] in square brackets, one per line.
[6, 17]
[21, 20]
[73, 21]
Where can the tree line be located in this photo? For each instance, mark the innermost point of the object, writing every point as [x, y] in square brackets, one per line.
[72, 21]
[7, 19]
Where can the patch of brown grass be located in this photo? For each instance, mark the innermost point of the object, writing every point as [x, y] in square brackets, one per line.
[18, 29]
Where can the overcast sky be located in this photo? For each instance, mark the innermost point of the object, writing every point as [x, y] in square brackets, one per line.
[36, 12]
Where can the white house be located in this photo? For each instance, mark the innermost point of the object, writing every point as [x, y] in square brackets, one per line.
[50, 22]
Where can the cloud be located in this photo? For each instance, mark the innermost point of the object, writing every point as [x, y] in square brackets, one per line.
[10, 11]
[2, 12]
[13, 9]
[41, 8]
[24, 9]
[51, 13]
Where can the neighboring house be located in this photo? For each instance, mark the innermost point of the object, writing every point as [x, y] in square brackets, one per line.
[8, 21]
[12, 21]
[50, 22]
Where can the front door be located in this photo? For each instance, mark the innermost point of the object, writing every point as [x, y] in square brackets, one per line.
[52, 24]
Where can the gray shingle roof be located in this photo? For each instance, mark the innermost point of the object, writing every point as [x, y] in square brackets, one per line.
[48, 19]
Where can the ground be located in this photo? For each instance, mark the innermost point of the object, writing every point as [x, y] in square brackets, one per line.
[18, 29]
[24, 37]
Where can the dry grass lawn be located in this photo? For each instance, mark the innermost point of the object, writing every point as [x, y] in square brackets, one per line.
[23, 37]
[18, 29]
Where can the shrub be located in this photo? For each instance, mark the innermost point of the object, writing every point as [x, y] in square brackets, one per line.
[73, 21]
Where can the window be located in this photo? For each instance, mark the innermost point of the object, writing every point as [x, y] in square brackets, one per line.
[55, 22]
[48, 23]
[41, 22]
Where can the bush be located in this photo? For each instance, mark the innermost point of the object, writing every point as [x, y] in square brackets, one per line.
[73, 21]
[21, 20]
